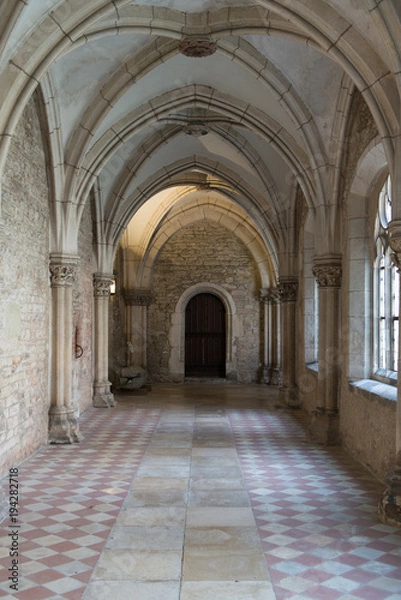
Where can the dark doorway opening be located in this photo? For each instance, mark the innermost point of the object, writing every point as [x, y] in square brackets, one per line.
[205, 337]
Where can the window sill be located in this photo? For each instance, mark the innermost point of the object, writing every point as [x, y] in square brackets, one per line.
[389, 377]
[314, 366]
[375, 390]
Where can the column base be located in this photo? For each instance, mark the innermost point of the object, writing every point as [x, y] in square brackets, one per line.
[324, 427]
[389, 508]
[102, 396]
[276, 376]
[265, 375]
[289, 396]
[63, 426]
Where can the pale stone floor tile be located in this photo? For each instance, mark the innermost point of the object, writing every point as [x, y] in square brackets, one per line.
[142, 499]
[215, 453]
[146, 538]
[151, 517]
[157, 471]
[216, 472]
[233, 539]
[212, 565]
[213, 461]
[219, 517]
[204, 484]
[120, 565]
[132, 590]
[226, 590]
[219, 498]
[166, 461]
[159, 484]
[171, 452]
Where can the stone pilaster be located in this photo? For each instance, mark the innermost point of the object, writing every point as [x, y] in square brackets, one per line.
[102, 396]
[137, 301]
[324, 426]
[63, 421]
[288, 291]
[271, 373]
[390, 503]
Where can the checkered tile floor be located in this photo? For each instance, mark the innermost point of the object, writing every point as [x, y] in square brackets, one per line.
[316, 514]
[314, 507]
[70, 499]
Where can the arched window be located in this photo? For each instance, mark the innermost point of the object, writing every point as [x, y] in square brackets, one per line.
[387, 292]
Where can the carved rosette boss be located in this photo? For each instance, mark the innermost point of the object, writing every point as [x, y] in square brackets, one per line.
[197, 47]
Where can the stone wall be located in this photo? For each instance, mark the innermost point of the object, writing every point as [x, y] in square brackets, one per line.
[82, 377]
[368, 425]
[205, 252]
[24, 295]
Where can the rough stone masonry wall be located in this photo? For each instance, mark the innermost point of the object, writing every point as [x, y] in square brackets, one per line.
[82, 377]
[205, 252]
[24, 295]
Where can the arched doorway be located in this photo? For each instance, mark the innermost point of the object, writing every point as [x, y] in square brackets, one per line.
[205, 337]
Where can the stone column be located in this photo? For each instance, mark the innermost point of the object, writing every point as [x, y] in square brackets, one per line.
[102, 396]
[137, 302]
[390, 502]
[271, 373]
[324, 428]
[288, 289]
[63, 423]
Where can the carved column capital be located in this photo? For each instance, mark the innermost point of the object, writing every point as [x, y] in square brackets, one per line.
[328, 272]
[62, 271]
[137, 297]
[101, 284]
[288, 290]
[395, 243]
[269, 295]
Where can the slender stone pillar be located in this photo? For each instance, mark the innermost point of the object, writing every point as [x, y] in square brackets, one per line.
[102, 396]
[137, 302]
[324, 428]
[288, 289]
[63, 422]
[271, 373]
[390, 503]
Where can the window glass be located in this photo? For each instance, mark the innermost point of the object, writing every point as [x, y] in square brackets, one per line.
[387, 291]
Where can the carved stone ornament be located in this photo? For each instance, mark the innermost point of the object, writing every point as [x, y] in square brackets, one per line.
[101, 285]
[269, 295]
[395, 244]
[396, 260]
[328, 275]
[138, 297]
[62, 275]
[195, 47]
[288, 291]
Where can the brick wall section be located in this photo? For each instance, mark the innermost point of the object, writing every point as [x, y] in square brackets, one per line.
[24, 295]
[82, 377]
[205, 252]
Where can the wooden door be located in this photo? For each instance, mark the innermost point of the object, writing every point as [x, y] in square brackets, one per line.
[205, 337]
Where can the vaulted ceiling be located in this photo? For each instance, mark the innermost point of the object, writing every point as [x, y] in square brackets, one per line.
[247, 98]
